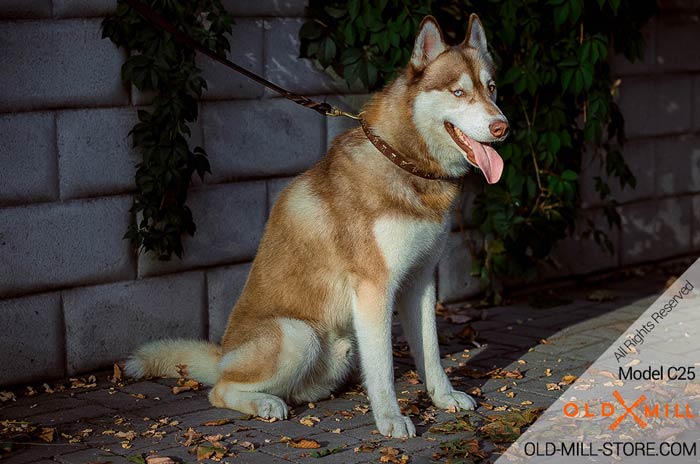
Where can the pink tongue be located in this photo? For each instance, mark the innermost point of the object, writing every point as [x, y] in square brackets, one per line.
[489, 161]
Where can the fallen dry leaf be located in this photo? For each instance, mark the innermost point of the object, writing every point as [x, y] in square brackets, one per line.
[47, 434]
[186, 385]
[247, 445]
[553, 386]
[159, 459]
[392, 455]
[190, 436]
[510, 394]
[304, 443]
[116, 375]
[309, 421]
[548, 372]
[526, 403]
[216, 422]
[567, 379]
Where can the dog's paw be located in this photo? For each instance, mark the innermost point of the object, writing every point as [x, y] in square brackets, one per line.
[454, 400]
[271, 407]
[395, 426]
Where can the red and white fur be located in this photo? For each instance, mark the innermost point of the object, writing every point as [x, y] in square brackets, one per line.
[350, 240]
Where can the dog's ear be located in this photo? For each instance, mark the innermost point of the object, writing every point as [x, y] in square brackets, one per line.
[476, 37]
[429, 43]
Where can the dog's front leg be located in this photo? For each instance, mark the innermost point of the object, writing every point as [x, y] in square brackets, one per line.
[372, 322]
[416, 307]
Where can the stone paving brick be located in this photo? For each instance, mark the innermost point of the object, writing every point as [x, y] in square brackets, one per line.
[230, 220]
[94, 455]
[28, 158]
[58, 64]
[126, 315]
[326, 440]
[53, 245]
[224, 288]
[36, 357]
[95, 153]
[278, 138]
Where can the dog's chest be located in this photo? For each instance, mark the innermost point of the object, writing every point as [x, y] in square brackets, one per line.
[404, 242]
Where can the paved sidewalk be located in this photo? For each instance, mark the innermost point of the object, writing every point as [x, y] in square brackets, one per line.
[516, 358]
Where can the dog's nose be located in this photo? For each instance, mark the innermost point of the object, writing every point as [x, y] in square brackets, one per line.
[499, 128]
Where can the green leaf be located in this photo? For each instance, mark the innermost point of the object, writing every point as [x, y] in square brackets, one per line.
[569, 175]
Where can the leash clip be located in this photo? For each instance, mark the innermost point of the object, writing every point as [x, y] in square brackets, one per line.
[338, 112]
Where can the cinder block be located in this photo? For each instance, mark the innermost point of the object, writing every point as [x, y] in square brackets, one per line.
[32, 342]
[266, 7]
[696, 102]
[678, 165]
[640, 155]
[696, 222]
[224, 285]
[247, 51]
[230, 220]
[83, 8]
[656, 106]
[454, 281]
[105, 323]
[28, 158]
[58, 245]
[679, 6]
[619, 65]
[676, 32]
[284, 67]
[579, 255]
[261, 138]
[274, 188]
[25, 9]
[654, 230]
[463, 208]
[674, 111]
[95, 154]
[50, 64]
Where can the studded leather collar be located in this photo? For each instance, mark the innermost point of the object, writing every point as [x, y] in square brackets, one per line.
[398, 159]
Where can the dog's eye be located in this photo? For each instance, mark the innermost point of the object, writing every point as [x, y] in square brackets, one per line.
[492, 87]
[458, 93]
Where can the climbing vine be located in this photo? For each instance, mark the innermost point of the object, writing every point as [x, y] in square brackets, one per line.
[555, 88]
[160, 67]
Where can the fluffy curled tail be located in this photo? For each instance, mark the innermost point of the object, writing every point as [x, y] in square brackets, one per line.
[161, 358]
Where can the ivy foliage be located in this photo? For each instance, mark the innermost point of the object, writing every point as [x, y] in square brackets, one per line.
[159, 66]
[555, 88]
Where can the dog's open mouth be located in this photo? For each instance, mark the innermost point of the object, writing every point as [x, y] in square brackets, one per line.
[481, 155]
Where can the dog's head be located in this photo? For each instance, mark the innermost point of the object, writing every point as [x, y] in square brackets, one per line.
[454, 104]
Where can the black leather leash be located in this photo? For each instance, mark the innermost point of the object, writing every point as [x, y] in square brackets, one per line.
[322, 107]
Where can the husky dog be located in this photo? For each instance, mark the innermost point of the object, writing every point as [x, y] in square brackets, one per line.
[349, 241]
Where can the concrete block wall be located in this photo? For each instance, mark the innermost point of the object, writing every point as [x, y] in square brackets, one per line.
[75, 297]
[660, 100]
